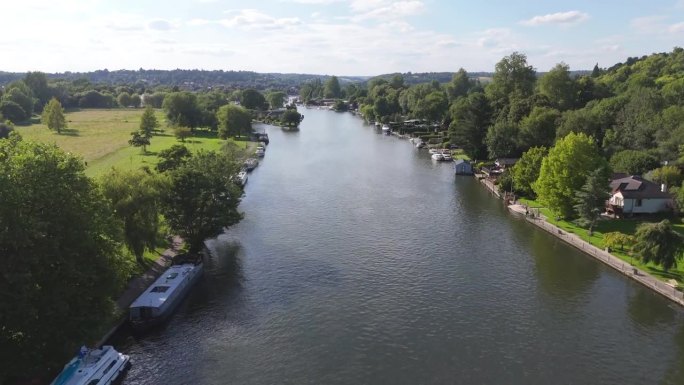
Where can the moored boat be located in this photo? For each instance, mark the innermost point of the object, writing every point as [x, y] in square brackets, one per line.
[437, 156]
[242, 178]
[260, 152]
[250, 164]
[93, 366]
[159, 300]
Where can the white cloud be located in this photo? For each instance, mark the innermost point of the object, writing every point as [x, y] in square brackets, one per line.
[254, 19]
[562, 18]
[676, 28]
[388, 11]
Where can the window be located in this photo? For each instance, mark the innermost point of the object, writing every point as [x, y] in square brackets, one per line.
[159, 289]
[172, 276]
[638, 203]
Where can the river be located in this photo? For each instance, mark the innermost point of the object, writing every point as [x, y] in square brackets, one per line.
[361, 261]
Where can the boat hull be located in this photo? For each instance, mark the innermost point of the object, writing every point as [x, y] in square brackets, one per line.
[145, 324]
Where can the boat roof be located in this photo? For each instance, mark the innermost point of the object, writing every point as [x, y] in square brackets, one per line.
[157, 293]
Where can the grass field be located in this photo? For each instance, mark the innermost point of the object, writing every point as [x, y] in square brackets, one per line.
[626, 226]
[100, 137]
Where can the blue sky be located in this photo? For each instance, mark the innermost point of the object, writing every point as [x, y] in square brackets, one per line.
[341, 37]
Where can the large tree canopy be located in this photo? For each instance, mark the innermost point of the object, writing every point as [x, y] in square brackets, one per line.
[659, 243]
[203, 198]
[252, 99]
[233, 121]
[564, 171]
[182, 109]
[61, 256]
[526, 171]
[135, 198]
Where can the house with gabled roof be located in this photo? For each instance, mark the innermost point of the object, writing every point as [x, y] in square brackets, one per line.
[631, 194]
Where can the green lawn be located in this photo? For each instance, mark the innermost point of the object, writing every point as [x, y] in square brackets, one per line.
[100, 137]
[626, 226]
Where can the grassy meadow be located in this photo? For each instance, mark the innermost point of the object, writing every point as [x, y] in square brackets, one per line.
[100, 137]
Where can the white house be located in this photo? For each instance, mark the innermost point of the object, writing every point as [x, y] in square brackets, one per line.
[630, 194]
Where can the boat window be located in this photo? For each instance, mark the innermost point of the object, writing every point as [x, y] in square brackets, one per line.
[172, 276]
[94, 382]
[111, 365]
[159, 289]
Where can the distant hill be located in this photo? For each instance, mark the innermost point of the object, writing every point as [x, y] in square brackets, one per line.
[188, 79]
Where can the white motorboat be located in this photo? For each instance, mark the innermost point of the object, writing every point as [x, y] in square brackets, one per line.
[260, 152]
[447, 156]
[434, 151]
[385, 128]
[159, 300]
[420, 144]
[437, 156]
[93, 366]
[242, 178]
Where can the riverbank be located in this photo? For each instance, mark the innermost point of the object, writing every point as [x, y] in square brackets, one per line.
[663, 288]
[137, 285]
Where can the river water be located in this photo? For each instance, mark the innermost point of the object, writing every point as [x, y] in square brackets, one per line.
[361, 261]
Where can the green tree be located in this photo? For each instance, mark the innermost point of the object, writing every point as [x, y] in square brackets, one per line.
[276, 99]
[20, 93]
[291, 118]
[580, 121]
[148, 122]
[203, 199]
[633, 162]
[6, 128]
[139, 140]
[668, 175]
[136, 100]
[37, 83]
[182, 109]
[62, 255]
[53, 116]
[470, 117]
[558, 87]
[124, 99]
[565, 169]
[526, 171]
[252, 99]
[539, 127]
[433, 107]
[135, 199]
[173, 157]
[513, 77]
[12, 111]
[233, 121]
[591, 199]
[618, 240]
[182, 133]
[459, 85]
[332, 88]
[659, 243]
[502, 140]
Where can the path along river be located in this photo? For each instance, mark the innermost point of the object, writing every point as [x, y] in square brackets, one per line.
[361, 261]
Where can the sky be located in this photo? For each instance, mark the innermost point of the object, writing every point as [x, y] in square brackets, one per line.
[333, 37]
